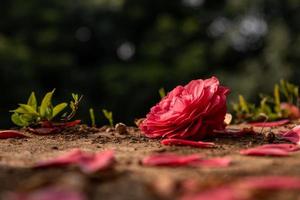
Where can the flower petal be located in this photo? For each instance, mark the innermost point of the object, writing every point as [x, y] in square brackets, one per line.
[11, 134]
[182, 142]
[270, 150]
[170, 160]
[97, 162]
[292, 135]
[212, 162]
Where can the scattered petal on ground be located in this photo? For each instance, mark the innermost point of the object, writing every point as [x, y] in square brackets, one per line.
[212, 162]
[270, 124]
[170, 160]
[194, 160]
[44, 131]
[96, 162]
[293, 110]
[182, 142]
[87, 162]
[292, 135]
[11, 134]
[48, 194]
[243, 189]
[68, 158]
[271, 150]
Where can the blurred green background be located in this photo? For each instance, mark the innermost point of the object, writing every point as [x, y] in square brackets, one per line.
[118, 53]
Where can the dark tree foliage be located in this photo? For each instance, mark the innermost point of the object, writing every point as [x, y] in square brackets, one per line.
[118, 53]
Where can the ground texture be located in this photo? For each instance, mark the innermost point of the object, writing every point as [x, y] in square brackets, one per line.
[129, 180]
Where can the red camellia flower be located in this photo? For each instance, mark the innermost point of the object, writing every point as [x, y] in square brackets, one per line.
[190, 111]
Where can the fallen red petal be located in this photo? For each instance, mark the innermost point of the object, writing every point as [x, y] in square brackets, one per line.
[44, 131]
[292, 135]
[212, 162]
[87, 162]
[97, 162]
[66, 159]
[11, 134]
[243, 189]
[271, 150]
[270, 124]
[182, 142]
[170, 160]
[47, 194]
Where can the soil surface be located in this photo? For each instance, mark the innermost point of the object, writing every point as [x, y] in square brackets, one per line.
[129, 180]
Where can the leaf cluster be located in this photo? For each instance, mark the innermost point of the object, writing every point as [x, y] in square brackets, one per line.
[32, 113]
[269, 108]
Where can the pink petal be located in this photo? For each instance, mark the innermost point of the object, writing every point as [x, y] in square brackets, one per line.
[87, 162]
[47, 194]
[66, 159]
[71, 124]
[11, 134]
[285, 147]
[212, 162]
[97, 162]
[170, 160]
[292, 135]
[270, 124]
[293, 110]
[271, 150]
[182, 142]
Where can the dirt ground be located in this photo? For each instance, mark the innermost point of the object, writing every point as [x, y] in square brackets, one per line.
[129, 180]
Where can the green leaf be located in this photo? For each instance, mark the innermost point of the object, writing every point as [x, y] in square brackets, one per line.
[17, 120]
[243, 104]
[109, 116]
[92, 116]
[45, 109]
[28, 109]
[57, 109]
[32, 101]
[277, 98]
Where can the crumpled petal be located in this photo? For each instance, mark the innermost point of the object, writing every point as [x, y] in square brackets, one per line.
[270, 124]
[292, 135]
[87, 162]
[49, 193]
[182, 142]
[271, 150]
[11, 134]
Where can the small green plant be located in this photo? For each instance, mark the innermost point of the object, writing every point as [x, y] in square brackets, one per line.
[109, 116]
[32, 113]
[92, 117]
[269, 108]
[162, 92]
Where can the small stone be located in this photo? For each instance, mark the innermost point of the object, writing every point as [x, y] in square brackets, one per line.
[121, 128]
